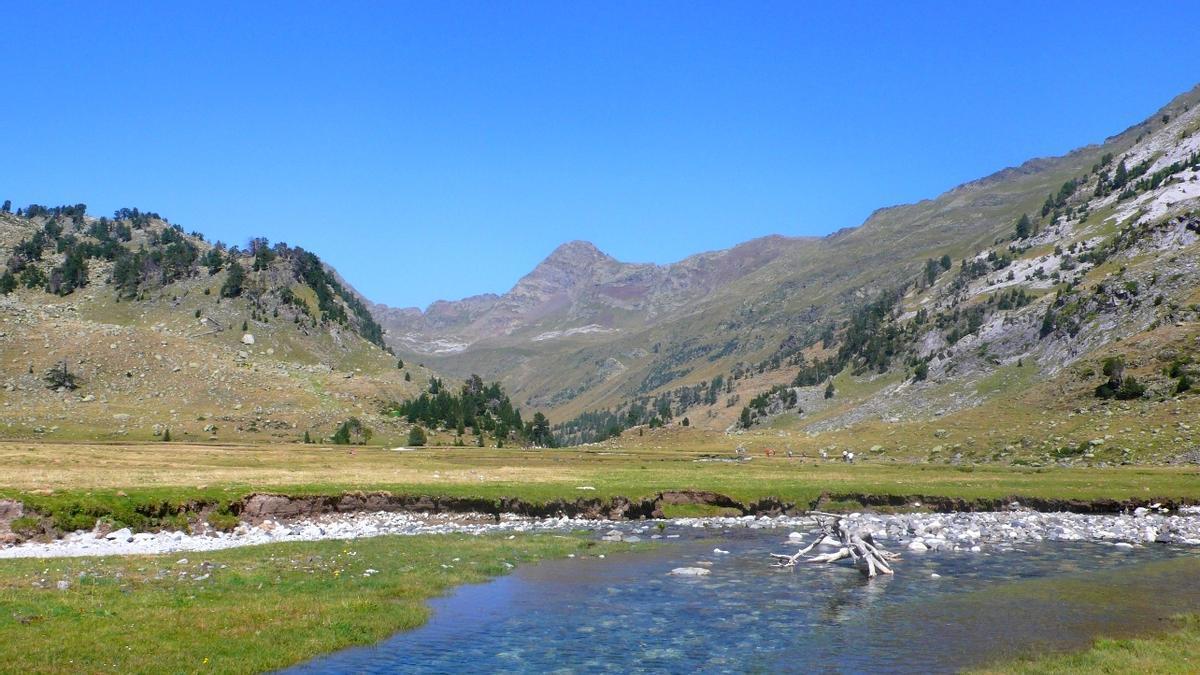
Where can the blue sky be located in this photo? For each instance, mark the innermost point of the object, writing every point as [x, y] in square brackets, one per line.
[439, 150]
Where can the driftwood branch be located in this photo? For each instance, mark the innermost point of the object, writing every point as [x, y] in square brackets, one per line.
[868, 557]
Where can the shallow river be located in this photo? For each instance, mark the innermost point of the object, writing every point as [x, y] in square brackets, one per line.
[626, 614]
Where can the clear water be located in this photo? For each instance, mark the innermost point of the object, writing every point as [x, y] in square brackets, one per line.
[626, 614]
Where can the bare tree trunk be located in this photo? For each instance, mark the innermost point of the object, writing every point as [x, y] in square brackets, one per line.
[870, 559]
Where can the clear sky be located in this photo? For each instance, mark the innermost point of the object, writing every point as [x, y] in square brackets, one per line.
[438, 150]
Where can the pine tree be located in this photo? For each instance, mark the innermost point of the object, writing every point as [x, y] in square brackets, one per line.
[214, 261]
[8, 283]
[166, 437]
[59, 377]
[234, 280]
[829, 390]
[540, 431]
[1049, 322]
[1024, 227]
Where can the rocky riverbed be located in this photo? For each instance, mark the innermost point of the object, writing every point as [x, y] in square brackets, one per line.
[973, 531]
[914, 532]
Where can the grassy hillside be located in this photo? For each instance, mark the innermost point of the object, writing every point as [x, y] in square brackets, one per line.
[155, 338]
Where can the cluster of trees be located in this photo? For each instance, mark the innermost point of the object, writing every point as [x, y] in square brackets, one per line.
[164, 256]
[871, 339]
[484, 409]
[136, 217]
[75, 212]
[309, 269]
[1013, 298]
[63, 279]
[1155, 179]
[592, 426]
[653, 411]
[351, 432]
[934, 268]
[761, 404]
[1119, 385]
[1056, 201]
[971, 269]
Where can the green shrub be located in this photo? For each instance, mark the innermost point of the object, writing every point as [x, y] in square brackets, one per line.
[26, 526]
[417, 438]
[223, 520]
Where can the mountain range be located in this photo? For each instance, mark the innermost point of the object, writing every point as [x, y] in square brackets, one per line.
[1059, 283]
[584, 332]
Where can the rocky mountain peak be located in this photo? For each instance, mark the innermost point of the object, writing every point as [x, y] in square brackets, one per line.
[565, 268]
[576, 253]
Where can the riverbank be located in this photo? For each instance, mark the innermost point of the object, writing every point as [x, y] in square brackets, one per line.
[215, 488]
[915, 532]
[654, 493]
[281, 601]
[1177, 651]
[246, 609]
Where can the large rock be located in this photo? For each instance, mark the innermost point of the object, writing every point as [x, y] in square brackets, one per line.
[689, 572]
[123, 534]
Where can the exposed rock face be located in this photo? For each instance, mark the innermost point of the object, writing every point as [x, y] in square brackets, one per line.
[10, 510]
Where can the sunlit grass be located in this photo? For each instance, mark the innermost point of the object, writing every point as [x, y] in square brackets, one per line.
[241, 610]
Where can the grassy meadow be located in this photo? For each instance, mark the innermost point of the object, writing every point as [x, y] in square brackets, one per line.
[242, 610]
[152, 485]
[311, 598]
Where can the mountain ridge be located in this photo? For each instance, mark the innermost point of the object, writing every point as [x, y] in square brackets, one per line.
[614, 344]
